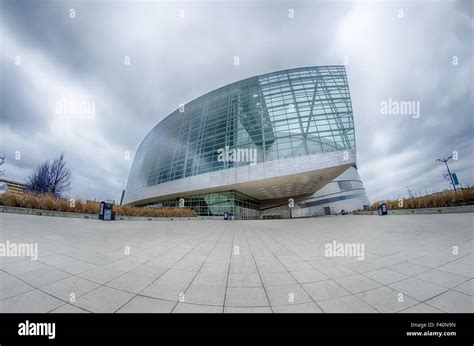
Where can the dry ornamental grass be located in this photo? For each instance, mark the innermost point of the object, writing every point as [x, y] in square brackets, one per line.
[49, 202]
[464, 196]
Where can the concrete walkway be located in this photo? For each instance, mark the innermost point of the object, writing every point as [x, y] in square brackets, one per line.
[412, 263]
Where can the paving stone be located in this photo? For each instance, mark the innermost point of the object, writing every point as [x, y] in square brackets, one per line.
[385, 276]
[69, 309]
[53, 260]
[246, 296]
[325, 290]
[363, 266]
[466, 288]
[177, 275]
[193, 308]
[103, 299]
[289, 258]
[287, 295]
[62, 289]
[205, 295]
[101, 275]
[244, 280]
[459, 267]
[409, 269]
[248, 310]
[168, 290]
[11, 286]
[433, 260]
[453, 301]
[191, 264]
[347, 304]
[211, 279]
[130, 282]
[243, 268]
[357, 283]
[418, 289]
[148, 271]
[23, 266]
[442, 278]
[273, 279]
[30, 302]
[215, 267]
[384, 261]
[422, 309]
[270, 267]
[140, 304]
[307, 276]
[336, 271]
[297, 308]
[385, 299]
[123, 264]
[297, 266]
[76, 267]
[43, 276]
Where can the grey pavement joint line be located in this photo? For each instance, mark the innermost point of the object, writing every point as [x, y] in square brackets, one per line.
[204, 262]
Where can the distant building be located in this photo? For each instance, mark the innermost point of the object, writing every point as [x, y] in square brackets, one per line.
[12, 186]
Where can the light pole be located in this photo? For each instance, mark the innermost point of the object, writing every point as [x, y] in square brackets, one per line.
[449, 172]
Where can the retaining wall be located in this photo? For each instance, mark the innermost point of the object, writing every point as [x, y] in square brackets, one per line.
[40, 212]
[443, 210]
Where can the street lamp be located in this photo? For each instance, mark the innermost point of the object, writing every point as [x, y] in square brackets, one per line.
[449, 172]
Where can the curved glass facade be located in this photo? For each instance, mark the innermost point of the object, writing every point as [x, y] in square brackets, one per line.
[278, 115]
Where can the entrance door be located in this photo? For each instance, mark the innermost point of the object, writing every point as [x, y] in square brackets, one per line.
[327, 211]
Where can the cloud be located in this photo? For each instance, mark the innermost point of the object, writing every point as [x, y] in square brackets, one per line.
[175, 59]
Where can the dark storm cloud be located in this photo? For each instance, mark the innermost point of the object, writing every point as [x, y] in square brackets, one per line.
[174, 60]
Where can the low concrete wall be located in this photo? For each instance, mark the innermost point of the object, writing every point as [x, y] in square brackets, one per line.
[443, 210]
[40, 212]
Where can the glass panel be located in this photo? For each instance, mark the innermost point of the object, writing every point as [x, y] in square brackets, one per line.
[283, 114]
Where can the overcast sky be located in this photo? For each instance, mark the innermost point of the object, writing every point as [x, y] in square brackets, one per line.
[420, 52]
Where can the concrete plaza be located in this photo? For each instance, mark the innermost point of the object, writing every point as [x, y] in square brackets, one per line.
[411, 263]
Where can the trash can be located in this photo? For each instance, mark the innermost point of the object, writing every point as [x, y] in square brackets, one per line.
[105, 211]
[383, 209]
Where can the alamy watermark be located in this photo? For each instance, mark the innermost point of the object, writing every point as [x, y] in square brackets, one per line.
[336, 249]
[237, 155]
[28, 328]
[9, 249]
[393, 107]
[76, 107]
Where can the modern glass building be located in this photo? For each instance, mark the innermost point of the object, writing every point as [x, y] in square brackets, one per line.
[253, 147]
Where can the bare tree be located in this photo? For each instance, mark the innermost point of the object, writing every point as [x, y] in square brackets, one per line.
[53, 178]
[38, 182]
[60, 177]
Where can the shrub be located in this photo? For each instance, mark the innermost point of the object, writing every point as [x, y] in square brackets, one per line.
[63, 204]
[28, 201]
[128, 210]
[9, 199]
[78, 205]
[49, 202]
[463, 196]
[90, 207]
